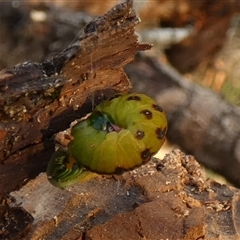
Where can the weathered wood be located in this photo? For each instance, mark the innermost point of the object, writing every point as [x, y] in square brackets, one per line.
[146, 73]
[211, 24]
[15, 222]
[169, 199]
[39, 99]
[200, 121]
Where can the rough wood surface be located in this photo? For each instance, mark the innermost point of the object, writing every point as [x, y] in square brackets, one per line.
[62, 23]
[39, 99]
[169, 199]
[200, 121]
[162, 200]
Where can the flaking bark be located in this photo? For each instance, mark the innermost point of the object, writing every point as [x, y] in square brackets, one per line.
[39, 99]
[168, 199]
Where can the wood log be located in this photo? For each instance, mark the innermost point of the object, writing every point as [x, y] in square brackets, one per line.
[228, 161]
[168, 199]
[38, 100]
[201, 122]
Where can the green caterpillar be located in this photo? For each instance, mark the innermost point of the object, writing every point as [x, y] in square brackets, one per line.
[119, 135]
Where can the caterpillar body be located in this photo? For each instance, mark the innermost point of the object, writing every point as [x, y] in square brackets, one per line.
[119, 135]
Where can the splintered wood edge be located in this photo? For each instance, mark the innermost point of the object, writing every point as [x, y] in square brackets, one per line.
[91, 66]
[174, 188]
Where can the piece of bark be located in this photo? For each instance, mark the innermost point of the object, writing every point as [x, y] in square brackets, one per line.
[200, 121]
[169, 199]
[39, 99]
[232, 168]
[15, 222]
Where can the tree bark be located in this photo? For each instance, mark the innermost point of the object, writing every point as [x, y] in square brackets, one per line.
[38, 100]
[169, 199]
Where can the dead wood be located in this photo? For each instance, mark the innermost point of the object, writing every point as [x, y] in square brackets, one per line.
[169, 199]
[211, 23]
[221, 157]
[39, 99]
[15, 222]
[200, 121]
